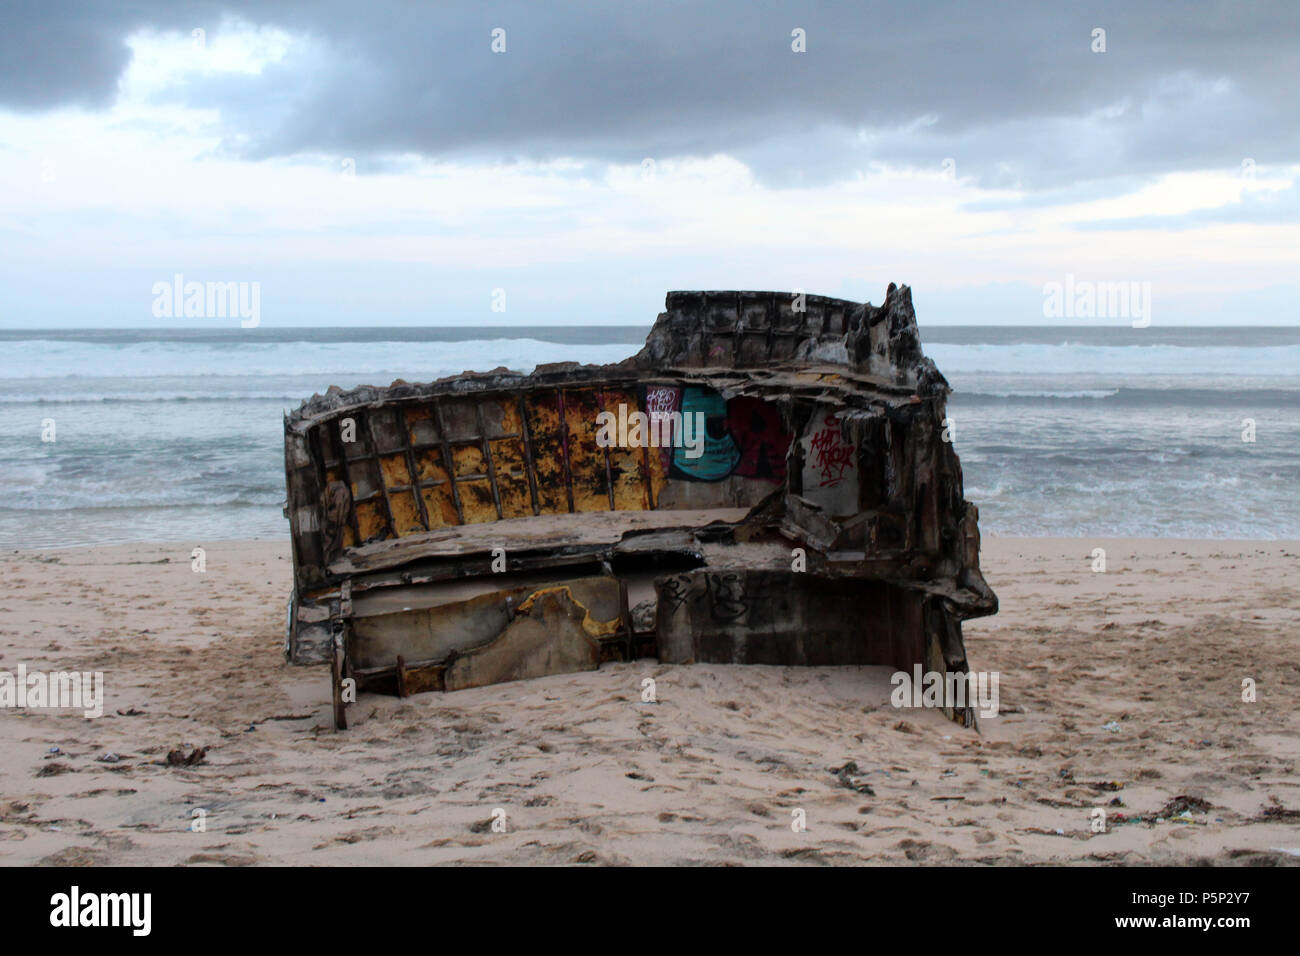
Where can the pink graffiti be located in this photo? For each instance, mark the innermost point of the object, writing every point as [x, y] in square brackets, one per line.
[663, 400]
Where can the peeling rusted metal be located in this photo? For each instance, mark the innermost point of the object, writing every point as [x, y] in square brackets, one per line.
[447, 460]
[823, 434]
[529, 465]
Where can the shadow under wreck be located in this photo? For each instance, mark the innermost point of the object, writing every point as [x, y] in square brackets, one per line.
[765, 482]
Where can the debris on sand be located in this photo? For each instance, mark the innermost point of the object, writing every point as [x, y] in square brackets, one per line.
[179, 758]
[848, 776]
[1182, 804]
[1277, 813]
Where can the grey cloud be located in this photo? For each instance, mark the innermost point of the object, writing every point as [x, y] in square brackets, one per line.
[72, 52]
[46, 65]
[1012, 93]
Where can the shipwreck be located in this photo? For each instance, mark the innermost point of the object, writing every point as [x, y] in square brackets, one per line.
[800, 506]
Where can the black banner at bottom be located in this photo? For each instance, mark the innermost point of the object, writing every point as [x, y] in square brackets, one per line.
[333, 907]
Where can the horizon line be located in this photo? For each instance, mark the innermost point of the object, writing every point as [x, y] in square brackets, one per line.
[612, 325]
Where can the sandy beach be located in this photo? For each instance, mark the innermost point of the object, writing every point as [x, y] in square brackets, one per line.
[1120, 690]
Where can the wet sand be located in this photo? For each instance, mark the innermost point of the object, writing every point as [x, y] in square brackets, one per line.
[1118, 686]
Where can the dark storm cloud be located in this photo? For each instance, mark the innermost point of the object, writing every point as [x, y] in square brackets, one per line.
[1012, 93]
[70, 52]
[45, 64]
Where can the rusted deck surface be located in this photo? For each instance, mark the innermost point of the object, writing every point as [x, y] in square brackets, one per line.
[553, 531]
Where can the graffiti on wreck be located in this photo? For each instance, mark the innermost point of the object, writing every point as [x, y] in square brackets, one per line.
[723, 596]
[663, 407]
[832, 455]
[720, 455]
[675, 592]
[761, 435]
[744, 436]
[727, 601]
[661, 401]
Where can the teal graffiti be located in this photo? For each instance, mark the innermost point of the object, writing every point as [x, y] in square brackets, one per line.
[720, 455]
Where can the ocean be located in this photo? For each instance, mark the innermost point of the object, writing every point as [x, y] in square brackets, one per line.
[176, 435]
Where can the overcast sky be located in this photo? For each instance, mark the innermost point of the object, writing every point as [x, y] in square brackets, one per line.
[380, 163]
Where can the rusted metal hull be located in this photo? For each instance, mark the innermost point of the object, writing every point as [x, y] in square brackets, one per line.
[475, 530]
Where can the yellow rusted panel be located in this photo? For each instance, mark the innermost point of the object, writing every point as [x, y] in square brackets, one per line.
[516, 497]
[394, 470]
[468, 460]
[592, 626]
[626, 465]
[548, 451]
[508, 457]
[429, 464]
[512, 477]
[654, 458]
[475, 492]
[371, 519]
[439, 504]
[476, 501]
[586, 458]
[510, 423]
[406, 513]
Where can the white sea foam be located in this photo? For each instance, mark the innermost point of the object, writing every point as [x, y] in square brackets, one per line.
[1113, 360]
[376, 363]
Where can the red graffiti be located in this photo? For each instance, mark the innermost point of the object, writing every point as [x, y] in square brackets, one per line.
[761, 437]
[832, 455]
